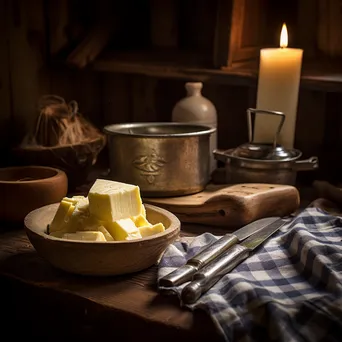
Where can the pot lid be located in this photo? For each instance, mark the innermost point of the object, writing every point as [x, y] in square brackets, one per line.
[268, 151]
[265, 152]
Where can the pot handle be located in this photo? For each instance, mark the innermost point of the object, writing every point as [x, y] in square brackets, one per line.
[255, 111]
[220, 155]
[306, 164]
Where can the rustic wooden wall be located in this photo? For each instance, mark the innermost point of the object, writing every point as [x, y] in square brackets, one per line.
[106, 98]
[25, 74]
[5, 95]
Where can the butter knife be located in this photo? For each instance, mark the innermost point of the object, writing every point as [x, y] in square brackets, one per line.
[184, 273]
[209, 275]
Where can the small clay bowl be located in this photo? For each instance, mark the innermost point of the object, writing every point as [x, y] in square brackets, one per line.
[25, 188]
[100, 258]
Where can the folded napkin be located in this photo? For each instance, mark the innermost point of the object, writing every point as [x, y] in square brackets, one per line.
[290, 289]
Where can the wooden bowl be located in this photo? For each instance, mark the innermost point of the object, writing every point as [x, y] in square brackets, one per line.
[23, 189]
[101, 258]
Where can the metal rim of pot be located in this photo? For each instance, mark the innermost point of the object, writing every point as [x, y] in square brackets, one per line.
[295, 165]
[190, 129]
[228, 154]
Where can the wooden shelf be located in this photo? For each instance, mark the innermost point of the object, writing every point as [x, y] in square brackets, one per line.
[322, 75]
[186, 65]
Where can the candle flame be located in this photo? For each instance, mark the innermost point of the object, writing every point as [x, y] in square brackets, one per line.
[283, 37]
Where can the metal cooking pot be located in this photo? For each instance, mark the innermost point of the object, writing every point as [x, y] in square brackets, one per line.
[263, 163]
[163, 159]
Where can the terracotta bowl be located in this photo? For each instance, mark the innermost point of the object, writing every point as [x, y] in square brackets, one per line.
[101, 258]
[23, 189]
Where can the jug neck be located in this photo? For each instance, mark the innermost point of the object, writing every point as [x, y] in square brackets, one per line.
[194, 88]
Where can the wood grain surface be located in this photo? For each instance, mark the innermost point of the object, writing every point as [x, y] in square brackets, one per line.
[43, 302]
[48, 303]
[232, 206]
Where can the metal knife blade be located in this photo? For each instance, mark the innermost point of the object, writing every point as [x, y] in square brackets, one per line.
[210, 274]
[209, 253]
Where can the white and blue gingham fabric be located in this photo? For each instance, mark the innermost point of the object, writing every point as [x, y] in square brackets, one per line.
[290, 289]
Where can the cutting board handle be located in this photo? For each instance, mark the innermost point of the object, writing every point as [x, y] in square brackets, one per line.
[232, 205]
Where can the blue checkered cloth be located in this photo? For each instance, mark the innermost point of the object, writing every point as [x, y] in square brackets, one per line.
[290, 289]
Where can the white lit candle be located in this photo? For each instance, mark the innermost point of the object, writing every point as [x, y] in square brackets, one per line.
[278, 87]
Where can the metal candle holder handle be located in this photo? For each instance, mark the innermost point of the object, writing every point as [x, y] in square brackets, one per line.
[254, 111]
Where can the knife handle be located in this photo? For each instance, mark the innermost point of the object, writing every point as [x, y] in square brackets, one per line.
[209, 275]
[179, 276]
[204, 257]
[209, 253]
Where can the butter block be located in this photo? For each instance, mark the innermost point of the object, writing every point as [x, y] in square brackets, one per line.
[71, 214]
[82, 203]
[110, 201]
[151, 229]
[85, 236]
[71, 200]
[106, 234]
[80, 218]
[143, 211]
[62, 216]
[123, 229]
[83, 222]
[140, 221]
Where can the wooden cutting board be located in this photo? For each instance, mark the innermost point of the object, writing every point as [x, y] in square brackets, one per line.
[232, 205]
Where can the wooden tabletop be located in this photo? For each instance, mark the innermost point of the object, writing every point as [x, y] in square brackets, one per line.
[48, 303]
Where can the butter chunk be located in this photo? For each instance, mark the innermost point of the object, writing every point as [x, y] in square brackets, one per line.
[110, 201]
[140, 221]
[80, 218]
[123, 229]
[82, 203]
[85, 236]
[70, 200]
[151, 229]
[106, 234]
[71, 214]
[86, 223]
[143, 211]
[62, 216]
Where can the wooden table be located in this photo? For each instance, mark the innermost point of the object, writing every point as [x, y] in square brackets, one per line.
[42, 302]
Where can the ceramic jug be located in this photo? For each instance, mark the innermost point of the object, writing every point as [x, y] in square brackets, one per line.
[197, 109]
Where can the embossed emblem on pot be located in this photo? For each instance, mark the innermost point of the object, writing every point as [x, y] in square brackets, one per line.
[149, 165]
